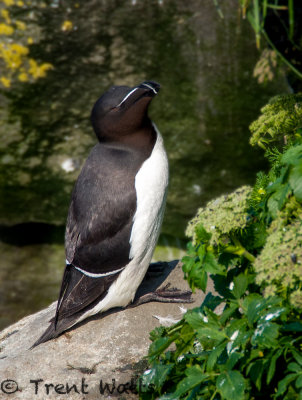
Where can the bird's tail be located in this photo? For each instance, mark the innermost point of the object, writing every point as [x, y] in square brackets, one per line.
[79, 293]
[52, 331]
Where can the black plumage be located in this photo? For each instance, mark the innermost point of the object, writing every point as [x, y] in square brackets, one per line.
[104, 202]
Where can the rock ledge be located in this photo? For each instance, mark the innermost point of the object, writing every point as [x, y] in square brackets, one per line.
[98, 359]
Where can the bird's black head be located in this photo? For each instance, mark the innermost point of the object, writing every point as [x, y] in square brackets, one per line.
[122, 110]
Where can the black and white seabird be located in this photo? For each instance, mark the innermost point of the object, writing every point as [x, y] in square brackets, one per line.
[116, 209]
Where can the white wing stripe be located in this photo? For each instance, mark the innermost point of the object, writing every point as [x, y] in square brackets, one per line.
[92, 275]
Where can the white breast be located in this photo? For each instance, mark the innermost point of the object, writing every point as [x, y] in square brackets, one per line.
[151, 184]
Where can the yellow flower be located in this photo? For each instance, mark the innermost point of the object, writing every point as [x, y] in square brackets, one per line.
[20, 25]
[30, 40]
[6, 29]
[44, 68]
[5, 81]
[8, 2]
[33, 68]
[38, 71]
[20, 3]
[66, 26]
[261, 191]
[19, 49]
[12, 55]
[5, 15]
[23, 77]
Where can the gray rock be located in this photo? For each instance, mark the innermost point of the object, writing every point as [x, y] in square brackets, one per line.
[107, 350]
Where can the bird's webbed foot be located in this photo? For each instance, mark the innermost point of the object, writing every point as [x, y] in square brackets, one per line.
[165, 295]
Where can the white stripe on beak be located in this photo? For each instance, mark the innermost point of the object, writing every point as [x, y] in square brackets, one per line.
[126, 97]
[149, 87]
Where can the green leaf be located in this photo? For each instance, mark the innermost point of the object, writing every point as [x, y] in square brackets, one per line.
[157, 332]
[214, 354]
[272, 366]
[265, 335]
[194, 377]
[160, 345]
[235, 326]
[211, 265]
[237, 332]
[185, 340]
[260, 235]
[228, 312]
[297, 357]
[233, 359]
[197, 276]
[299, 382]
[293, 327]
[272, 313]
[201, 251]
[187, 263]
[231, 385]
[282, 386]
[195, 318]
[292, 155]
[201, 280]
[295, 180]
[211, 301]
[211, 333]
[202, 235]
[273, 201]
[282, 193]
[221, 286]
[294, 367]
[256, 370]
[213, 319]
[154, 377]
[254, 304]
[243, 339]
[240, 285]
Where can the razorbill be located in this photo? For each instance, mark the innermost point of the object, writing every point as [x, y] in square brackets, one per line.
[116, 209]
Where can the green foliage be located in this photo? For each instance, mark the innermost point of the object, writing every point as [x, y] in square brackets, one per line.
[277, 267]
[261, 14]
[228, 356]
[271, 20]
[245, 342]
[280, 122]
[220, 217]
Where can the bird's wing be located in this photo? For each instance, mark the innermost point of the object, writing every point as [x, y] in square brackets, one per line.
[97, 233]
[98, 229]
[101, 212]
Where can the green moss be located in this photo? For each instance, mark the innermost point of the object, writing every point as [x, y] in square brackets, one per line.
[222, 216]
[279, 122]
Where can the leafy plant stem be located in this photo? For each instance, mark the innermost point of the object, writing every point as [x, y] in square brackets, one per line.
[290, 65]
[240, 250]
[176, 327]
